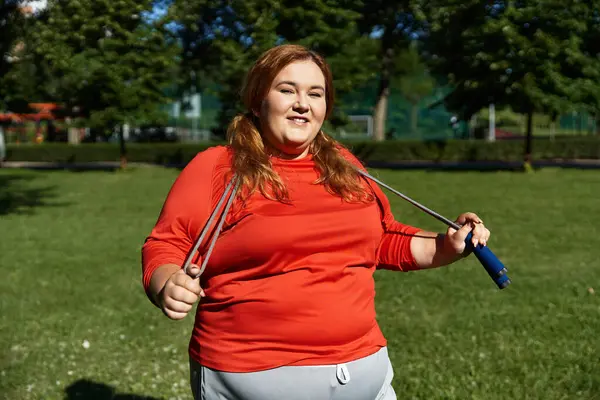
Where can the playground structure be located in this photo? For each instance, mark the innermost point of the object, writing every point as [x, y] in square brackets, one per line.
[45, 122]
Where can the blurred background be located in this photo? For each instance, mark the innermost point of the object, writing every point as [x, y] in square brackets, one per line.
[83, 71]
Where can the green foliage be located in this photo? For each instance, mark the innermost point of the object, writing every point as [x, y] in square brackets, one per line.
[221, 39]
[104, 59]
[529, 55]
[393, 23]
[219, 43]
[11, 24]
[114, 64]
[588, 74]
[506, 117]
[413, 80]
[99, 152]
[583, 147]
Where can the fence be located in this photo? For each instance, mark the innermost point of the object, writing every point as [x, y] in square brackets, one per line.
[404, 120]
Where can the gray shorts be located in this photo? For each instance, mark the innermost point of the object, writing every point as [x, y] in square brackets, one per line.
[368, 378]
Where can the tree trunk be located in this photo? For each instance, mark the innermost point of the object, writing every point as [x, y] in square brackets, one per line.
[529, 139]
[122, 149]
[50, 131]
[381, 106]
[93, 135]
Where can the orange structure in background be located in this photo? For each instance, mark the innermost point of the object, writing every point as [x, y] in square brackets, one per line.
[42, 112]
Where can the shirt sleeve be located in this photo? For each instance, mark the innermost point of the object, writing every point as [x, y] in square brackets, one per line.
[183, 215]
[394, 249]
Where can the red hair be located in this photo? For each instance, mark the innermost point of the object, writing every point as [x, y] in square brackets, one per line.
[250, 157]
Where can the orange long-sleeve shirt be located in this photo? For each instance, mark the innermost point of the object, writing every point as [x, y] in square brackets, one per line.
[287, 284]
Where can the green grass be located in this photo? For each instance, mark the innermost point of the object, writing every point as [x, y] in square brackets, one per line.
[70, 246]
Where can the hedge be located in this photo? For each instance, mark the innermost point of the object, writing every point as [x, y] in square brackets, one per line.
[581, 147]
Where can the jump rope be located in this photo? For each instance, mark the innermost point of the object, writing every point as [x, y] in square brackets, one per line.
[495, 269]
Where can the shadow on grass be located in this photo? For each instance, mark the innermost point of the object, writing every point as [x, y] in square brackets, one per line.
[84, 389]
[19, 196]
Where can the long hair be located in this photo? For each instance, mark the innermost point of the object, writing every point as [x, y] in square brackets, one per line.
[251, 157]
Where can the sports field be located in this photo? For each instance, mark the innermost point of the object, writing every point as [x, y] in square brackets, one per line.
[75, 323]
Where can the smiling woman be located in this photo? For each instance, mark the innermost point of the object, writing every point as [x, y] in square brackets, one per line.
[289, 94]
[287, 306]
[293, 111]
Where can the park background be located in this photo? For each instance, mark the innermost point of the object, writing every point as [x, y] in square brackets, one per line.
[487, 106]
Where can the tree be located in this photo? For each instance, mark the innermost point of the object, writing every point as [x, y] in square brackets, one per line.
[589, 74]
[11, 22]
[221, 39]
[11, 18]
[107, 59]
[413, 80]
[524, 54]
[331, 28]
[393, 22]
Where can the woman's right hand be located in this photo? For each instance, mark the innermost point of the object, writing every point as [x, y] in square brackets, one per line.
[180, 293]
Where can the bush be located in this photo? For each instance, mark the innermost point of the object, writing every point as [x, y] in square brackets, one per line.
[567, 148]
[156, 153]
[584, 147]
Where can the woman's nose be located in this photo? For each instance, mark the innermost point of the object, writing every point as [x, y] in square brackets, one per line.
[301, 104]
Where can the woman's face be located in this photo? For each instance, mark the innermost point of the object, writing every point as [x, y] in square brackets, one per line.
[294, 109]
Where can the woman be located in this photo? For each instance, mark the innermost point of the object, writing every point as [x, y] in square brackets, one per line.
[287, 308]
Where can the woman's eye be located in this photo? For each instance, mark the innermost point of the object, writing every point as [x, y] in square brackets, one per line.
[315, 94]
[286, 91]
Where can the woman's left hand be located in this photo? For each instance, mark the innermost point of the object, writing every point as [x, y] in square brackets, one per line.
[455, 239]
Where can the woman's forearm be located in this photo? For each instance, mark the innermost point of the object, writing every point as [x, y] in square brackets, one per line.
[430, 250]
[160, 276]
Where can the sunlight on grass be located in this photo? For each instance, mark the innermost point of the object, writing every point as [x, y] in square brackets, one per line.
[74, 318]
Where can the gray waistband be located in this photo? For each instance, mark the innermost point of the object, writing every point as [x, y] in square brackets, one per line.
[368, 378]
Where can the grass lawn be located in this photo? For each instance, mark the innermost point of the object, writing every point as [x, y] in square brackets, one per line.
[75, 323]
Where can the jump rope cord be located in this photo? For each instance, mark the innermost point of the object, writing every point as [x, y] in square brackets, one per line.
[413, 202]
[235, 181]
